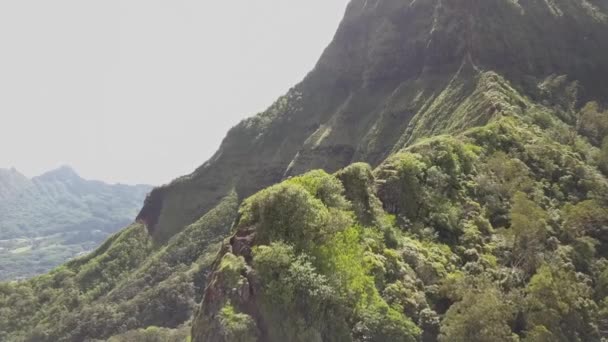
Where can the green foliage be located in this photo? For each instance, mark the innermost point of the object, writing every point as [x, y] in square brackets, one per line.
[359, 182]
[193, 248]
[381, 323]
[461, 229]
[586, 218]
[290, 211]
[483, 314]
[231, 267]
[603, 157]
[153, 334]
[269, 261]
[323, 186]
[583, 253]
[237, 327]
[593, 123]
[423, 186]
[286, 212]
[601, 285]
[512, 173]
[540, 334]
[557, 302]
[129, 250]
[402, 190]
[127, 284]
[603, 316]
[314, 291]
[297, 300]
[337, 256]
[431, 261]
[529, 230]
[304, 304]
[376, 320]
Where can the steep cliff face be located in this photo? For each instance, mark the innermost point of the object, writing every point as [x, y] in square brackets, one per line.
[462, 108]
[395, 72]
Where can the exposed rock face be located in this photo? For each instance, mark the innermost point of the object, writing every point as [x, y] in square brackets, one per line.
[396, 71]
[221, 289]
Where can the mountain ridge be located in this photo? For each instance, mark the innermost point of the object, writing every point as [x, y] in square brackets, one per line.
[420, 48]
[439, 176]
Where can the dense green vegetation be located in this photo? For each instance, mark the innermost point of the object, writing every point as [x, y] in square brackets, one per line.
[129, 283]
[441, 175]
[314, 285]
[498, 234]
[47, 220]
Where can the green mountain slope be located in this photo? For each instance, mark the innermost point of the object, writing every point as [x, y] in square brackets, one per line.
[496, 234]
[49, 219]
[392, 61]
[463, 197]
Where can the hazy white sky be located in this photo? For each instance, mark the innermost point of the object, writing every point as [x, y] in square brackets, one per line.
[143, 91]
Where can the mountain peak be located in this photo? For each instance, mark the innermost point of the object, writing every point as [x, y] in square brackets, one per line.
[11, 182]
[397, 71]
[385, 40]
[10, 172]
[62, 173]
[12, 176]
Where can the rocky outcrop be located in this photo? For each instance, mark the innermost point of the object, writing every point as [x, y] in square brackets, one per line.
[235, 283]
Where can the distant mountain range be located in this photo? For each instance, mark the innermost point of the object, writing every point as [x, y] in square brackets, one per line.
[49, 219]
